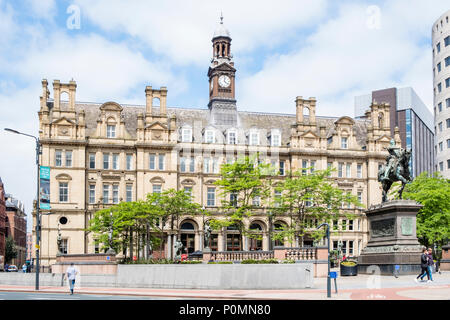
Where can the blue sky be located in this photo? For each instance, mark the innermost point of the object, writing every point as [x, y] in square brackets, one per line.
[331, 50]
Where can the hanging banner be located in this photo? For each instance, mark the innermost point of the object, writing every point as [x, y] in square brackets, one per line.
[44, 188]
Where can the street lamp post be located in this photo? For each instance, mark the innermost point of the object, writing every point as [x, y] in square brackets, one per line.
[38, 219]
[328, 244]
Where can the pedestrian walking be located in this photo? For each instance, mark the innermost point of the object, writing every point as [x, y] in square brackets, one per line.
[423, 264]
[71, 273]
[430, 264]
[24, 268]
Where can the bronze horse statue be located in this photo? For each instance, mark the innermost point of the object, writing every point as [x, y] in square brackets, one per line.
[396, 169]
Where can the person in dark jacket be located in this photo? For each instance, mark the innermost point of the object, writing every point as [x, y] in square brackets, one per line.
[430, 264]
[423, 264]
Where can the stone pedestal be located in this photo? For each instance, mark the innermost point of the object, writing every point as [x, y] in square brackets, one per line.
[445, 261]
[207, 254]
[392, 239]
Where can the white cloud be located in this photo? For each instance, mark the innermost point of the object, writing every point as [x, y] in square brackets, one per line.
[45, 9]
[181, 31]
[345, 58]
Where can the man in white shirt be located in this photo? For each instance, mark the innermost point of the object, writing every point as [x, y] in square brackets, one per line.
[71, 273]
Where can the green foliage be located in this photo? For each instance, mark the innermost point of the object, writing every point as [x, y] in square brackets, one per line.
[220, 262]
[265, 261]
[305, 197]
[10, 249]
[433, 220]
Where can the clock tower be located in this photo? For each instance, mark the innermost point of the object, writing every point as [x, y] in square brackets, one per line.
[221, 73]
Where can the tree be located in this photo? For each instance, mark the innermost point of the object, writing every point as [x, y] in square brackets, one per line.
[169, 206]
[10, 249]
[433, 220]
[240, 183]
[306, 198]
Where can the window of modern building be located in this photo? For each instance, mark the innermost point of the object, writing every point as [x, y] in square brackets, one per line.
[161, 161]
[439, 67]
[359, 170]
[58, 158]
[68, 158]
[63, 192]
[441, 166]
[447, 61]
[448, 143]
[105, 193]
[152, 162]
[129, 193]
[110, 131]
[438, 47]
[344, 143]
[129, 162]
[448, 123]
[447, 41]
[439, 87]
[440, 126]
[91, 160]
[440, 107]
[92, 193]
[447, 82]
[115, 161]
[157, 188]
[106, 161]
[186, 135]
[440, 146]
[448, 164]
[447, 102]
[211, 197]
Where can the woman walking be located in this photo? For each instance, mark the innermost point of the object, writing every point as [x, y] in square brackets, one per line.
[423, 264]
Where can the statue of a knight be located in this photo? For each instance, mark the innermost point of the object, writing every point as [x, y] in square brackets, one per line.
[392, 160]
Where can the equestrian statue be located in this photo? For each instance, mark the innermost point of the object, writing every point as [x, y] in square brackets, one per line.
[396, 169]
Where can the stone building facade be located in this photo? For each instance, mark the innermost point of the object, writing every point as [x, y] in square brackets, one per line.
[101, 154]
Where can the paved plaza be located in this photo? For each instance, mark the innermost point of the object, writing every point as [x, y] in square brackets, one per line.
[361, 287]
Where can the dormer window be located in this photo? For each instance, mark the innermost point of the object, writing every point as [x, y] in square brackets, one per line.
[344, 143]
[186, 135]
[209, 136]
[232, 139]
[111, 131]
[276, 138]
[254, 138]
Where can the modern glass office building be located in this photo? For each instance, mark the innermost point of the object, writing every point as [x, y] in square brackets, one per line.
[414, 120]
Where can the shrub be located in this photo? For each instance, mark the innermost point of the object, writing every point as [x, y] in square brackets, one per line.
[220, 262]
[266, 261]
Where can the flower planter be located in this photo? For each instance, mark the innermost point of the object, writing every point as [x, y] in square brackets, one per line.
[349, 269]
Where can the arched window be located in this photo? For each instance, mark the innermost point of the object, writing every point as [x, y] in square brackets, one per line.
[187, 226]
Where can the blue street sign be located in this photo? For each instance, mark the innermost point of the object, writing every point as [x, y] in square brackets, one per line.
[397, 267]
[333, 275]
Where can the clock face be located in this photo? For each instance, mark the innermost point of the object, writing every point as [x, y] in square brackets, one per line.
[224, 81]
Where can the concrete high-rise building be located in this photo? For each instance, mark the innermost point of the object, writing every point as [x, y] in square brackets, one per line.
[441, 84]
[412, 117]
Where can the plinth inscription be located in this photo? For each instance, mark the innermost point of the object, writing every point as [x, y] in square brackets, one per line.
[407, 226]
[383, 228]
